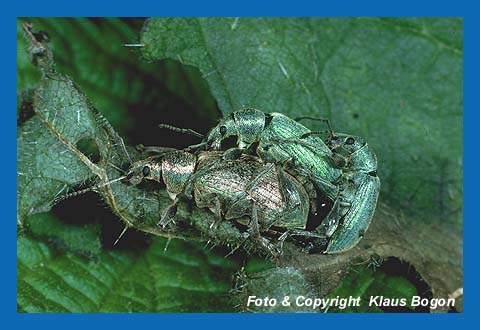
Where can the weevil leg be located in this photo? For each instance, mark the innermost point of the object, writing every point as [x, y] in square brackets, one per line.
[194, 147]
[254, 232]
[285, 185]
[232, 154]
[302, 233]
[217, 212]
[332, 220]
[317, 240]
[336, 214]
[214, 204]
[245, 237]
[153, 149]
[168, 214]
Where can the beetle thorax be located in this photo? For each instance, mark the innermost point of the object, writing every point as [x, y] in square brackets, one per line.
[177, 169]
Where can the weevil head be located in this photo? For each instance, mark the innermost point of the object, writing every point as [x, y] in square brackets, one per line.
[247, 124]
[352, 143]
[358, 155]
[146, 169]
[224, 129]
[345, 142]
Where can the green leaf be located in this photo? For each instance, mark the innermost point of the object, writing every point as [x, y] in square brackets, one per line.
[27, 74]
[395, 82]
[47, 160]
[182, 279]
[273, 284]
[365, 282]
[80, 239]
[263, 280]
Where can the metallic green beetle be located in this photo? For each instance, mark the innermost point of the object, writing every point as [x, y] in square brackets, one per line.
[285, 141]
[344, 168]
[231, 189]
[358, 197]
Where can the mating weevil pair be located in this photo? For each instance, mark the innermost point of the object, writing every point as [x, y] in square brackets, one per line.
[343, 168]
[232, 189]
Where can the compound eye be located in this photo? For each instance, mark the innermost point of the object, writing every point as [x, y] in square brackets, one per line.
[223, 130]
[146, 171]
[350, 141]
[129, 176]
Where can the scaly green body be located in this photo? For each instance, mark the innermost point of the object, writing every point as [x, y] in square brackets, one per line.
[281, 140]
[280, 199]
[357, 201]
[363, 195]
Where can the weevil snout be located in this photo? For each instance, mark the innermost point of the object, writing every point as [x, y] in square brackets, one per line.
[145, 169]
[134, 178]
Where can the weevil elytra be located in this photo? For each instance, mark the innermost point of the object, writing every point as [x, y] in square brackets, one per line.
[358, 199]
[232, 189]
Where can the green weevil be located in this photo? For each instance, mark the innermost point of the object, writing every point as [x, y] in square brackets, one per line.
[358, 197]
[344, 168]
[280, 139]
[232, 189]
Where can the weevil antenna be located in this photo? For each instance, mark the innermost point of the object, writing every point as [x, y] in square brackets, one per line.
[182, 130]
[121, 235]
[325, 120]
[57, 200]
[317, 133]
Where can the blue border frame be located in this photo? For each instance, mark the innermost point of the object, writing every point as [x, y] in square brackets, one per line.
[246, 8]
